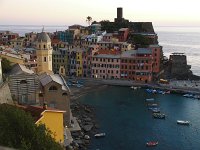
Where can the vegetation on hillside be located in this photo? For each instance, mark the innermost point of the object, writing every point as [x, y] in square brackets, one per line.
[6, 65]
[19, 131]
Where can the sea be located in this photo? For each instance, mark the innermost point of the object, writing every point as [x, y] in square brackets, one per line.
[123, 115]
[174, 39]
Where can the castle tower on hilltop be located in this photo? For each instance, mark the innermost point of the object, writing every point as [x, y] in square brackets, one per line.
[120, 18]
[44, 53]
[119, 13]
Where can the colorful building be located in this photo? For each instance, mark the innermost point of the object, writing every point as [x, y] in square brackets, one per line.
[123, 34]
[137, 65]
[50, 117]
[106, 65]
[18, 43]
[44, 53]
[30, 39]
[13, 58]
[24, 85]
[60, 58]
[55, 92]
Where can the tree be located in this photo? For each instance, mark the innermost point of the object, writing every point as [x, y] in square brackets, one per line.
[6, 65]
[89, 20]
[19, 131]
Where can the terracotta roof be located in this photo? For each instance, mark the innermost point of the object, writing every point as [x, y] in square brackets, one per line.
[111, 52]
[55, 41]
[36, 111]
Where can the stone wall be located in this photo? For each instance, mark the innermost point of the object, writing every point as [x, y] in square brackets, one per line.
[5, 95]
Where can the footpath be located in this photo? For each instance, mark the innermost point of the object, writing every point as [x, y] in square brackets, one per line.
[179, 86]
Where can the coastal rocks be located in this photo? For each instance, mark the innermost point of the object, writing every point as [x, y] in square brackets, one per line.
[87, 127]
[86, 137]
[86, 118]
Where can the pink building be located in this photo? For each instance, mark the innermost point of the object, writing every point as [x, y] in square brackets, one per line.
[137, 65]
[106, 65]
[108, 37]
[157, 54]
[123, 34]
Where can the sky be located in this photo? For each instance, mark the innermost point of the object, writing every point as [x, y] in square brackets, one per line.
[68, 12]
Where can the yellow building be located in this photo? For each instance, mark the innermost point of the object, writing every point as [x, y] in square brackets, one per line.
[18, 43]
[51, 118]
[13, 58]
[79, 65]
[44, 53]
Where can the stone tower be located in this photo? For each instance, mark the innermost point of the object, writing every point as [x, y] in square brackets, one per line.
[119, 13]
[44, 53]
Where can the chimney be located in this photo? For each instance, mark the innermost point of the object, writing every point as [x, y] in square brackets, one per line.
[45, 105]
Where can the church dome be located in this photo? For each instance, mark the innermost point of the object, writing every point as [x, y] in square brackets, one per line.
[43, 37]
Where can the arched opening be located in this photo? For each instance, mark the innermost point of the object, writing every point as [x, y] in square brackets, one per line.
[23, 82]
[64, 94]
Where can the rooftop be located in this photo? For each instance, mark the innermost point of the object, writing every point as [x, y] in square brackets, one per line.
[43, 37]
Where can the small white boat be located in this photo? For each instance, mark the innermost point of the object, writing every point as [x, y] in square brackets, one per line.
[152, 143]
[150, 99]
[182, 122]
[100, 135]
[134, 87]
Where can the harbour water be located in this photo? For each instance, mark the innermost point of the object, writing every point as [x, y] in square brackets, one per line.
[123, 115]
[173, 39]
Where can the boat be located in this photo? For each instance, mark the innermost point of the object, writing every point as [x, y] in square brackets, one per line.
[152, 143]
[188, 95]
[150, 99]
[134, 87]
[182, 122]
[158, 115]
[155, 110]
[167, 92]
[153, 104]
[98, 135]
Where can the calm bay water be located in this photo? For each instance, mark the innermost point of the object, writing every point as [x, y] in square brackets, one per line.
[123, 116]
[173, 39]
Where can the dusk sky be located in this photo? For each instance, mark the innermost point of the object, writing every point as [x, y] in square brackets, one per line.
[68, 12]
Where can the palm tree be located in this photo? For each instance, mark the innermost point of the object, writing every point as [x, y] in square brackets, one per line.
[89, 20]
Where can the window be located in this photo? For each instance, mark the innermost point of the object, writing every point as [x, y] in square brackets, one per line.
[53, 88]
[62, 70]
[23, 82]
[44, 46]
[45, 59]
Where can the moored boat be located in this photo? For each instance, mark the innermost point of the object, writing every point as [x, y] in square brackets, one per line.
[150, 99]
[100, 135]
[188, 95]
[158, 115]
[182, 122]
[153, 104]
[155, 110]
[152, 143]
